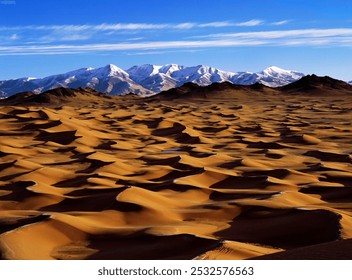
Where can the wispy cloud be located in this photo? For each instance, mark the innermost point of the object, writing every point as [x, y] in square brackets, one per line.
[304, 37]
[67, 32]
[217, 24]
[253, 22]
[135, 39]
[106, 31]
[62, 42]
[310, 33]
[164, 52]
[282, 22]
[132, 26]
[159, 45]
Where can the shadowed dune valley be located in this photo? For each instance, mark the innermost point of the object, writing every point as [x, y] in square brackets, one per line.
[208, 173]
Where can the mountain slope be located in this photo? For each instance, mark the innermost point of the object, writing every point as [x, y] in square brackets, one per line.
[109, 79]
[57, 96]
[215, 91]
[275, 76]
[318, 85]
[146, 79]
[308, 86]
[159, 78]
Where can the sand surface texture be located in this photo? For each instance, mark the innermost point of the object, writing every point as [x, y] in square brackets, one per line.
[209, 177]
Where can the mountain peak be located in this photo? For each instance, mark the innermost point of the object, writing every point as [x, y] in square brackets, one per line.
[112, 68]
[274, 76]
[168, 69]
[143, 70]
[147, 79]
[276, 69]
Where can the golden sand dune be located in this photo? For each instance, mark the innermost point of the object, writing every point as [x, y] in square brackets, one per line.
[238, 175]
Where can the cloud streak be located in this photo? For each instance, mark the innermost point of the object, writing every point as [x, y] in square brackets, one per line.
[253, 22]
[311, 33]
[284, 38]
[106, 32]
[282, 22]
[131, 26]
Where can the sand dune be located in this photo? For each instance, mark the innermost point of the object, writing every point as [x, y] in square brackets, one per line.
[234, 175]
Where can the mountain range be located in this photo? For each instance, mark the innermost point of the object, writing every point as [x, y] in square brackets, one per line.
[146, 79]
[308, 86]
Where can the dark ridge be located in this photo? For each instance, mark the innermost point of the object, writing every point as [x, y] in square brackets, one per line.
[284, 228]
[220, 196]
[237, 182]
[161, 161]
[60, 92]
[106, 145]
[182, 91]
[94, 165]
[328, 156]
[33, 126]
[75, 182]
[94, 200]
[190, 90]
[331, 194]
[316, 84]
[307, 84]
[18, 190]
[62, 137]
[69, 93]
[335, 250]
[13, 223]
[19, 97]
[223, 86]
[177, 128]
[13, 175]
[258, 86]
[151, 123]
[5, 165]
[85, 192]
[53, 96]
[143, 246]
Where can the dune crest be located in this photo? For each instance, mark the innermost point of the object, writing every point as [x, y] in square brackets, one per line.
[223, 172]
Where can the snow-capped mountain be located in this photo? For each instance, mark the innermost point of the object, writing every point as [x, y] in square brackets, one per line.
[109, 79]
[152, 77]
[275, 76]
[272, 76]
[146, 79]
[158, 78]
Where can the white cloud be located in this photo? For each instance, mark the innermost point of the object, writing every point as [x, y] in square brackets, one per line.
[297, 37]
[57, 33]
[131, 26]
[217, 24]
[135, 39]
[285, 33]
[159, 45]
[185, 25]
[253, 22]
[282, 22]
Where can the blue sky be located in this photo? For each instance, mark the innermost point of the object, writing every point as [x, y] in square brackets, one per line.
[44, 37]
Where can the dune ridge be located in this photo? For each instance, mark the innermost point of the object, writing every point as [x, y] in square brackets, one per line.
[229, 176]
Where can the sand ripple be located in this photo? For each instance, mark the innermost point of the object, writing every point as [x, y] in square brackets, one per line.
[210, 179]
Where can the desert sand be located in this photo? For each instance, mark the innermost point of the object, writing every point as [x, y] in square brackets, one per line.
[233, 175]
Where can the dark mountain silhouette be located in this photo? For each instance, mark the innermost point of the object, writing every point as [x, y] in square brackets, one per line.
[317, 85]
[54, 96]
[308, 85]
[221, 90]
